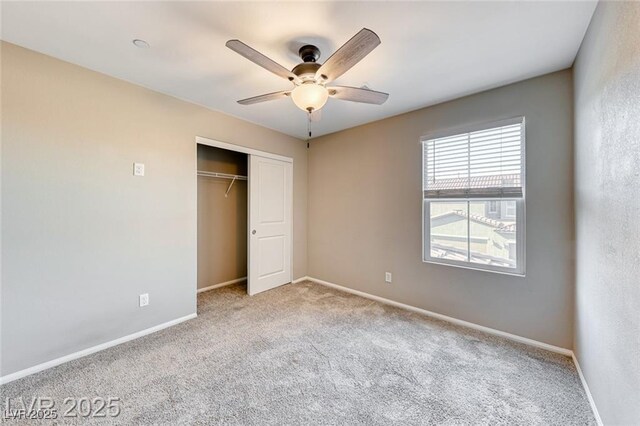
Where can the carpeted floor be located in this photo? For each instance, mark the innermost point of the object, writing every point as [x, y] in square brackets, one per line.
[307, 354]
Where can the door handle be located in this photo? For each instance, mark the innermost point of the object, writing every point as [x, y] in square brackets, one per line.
[253, 232]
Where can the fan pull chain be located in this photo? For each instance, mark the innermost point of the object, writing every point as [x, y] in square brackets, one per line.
[309, 123]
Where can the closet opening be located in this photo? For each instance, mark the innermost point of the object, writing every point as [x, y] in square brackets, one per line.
[222, 217]
[244, 215]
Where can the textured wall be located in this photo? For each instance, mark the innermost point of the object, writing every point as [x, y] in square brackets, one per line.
[607, 180]
[81, 236]
[365, 209]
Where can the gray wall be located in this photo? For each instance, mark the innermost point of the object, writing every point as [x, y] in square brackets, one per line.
[607, 180]
[81, 236]
[365, 207]
[222, 221]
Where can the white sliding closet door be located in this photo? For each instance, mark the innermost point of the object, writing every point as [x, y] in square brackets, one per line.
[270, 223]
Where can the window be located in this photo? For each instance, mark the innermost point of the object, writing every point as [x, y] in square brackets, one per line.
[510, 209]
[473, 197]
[493, 207]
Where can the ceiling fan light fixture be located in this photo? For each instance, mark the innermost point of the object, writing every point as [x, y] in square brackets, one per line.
[310, 96]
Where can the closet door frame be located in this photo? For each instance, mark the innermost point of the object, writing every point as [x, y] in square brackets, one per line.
[250, 151]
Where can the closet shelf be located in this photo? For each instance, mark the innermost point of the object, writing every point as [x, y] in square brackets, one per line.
[233, 178]
[221, 175]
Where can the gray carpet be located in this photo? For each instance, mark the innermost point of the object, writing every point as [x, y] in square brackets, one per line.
[307, 354]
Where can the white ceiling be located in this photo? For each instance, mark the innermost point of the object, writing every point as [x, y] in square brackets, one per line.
[430, 52]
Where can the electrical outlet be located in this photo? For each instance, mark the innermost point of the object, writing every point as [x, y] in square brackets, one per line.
[138, 169]
[144, 299]
[387, 277]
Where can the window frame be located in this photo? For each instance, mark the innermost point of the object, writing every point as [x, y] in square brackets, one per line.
[520, 219]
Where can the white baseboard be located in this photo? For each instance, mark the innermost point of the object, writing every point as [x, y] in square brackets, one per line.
[226, 283]
[583, 380]
[488, 330]
[53, 363]
[299, 280]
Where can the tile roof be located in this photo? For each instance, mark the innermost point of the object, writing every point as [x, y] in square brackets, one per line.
[493, 181]
[500, 226]
[507, 228]
[480, 218]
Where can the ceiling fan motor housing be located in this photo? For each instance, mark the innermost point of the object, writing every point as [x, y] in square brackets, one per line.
[306, 70]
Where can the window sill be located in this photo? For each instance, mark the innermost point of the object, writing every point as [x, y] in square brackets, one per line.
[471, 267]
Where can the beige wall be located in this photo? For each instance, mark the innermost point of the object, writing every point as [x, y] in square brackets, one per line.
[222, 220]
[81, 236]
[365, 213]
[607, 178]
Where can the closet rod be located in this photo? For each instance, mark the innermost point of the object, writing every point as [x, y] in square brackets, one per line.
[221, 175]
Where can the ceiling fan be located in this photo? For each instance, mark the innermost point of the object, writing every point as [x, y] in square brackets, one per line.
[310, 79]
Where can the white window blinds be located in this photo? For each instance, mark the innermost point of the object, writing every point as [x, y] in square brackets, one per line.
[486, 163]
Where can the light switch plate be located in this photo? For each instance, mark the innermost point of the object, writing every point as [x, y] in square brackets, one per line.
[387, 277]
[144, 299]
[138, 169]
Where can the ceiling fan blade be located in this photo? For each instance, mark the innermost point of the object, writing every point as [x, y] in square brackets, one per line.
[258, 58]
[355, 94]
[316, 116]
[352, 52]
[264, 98]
